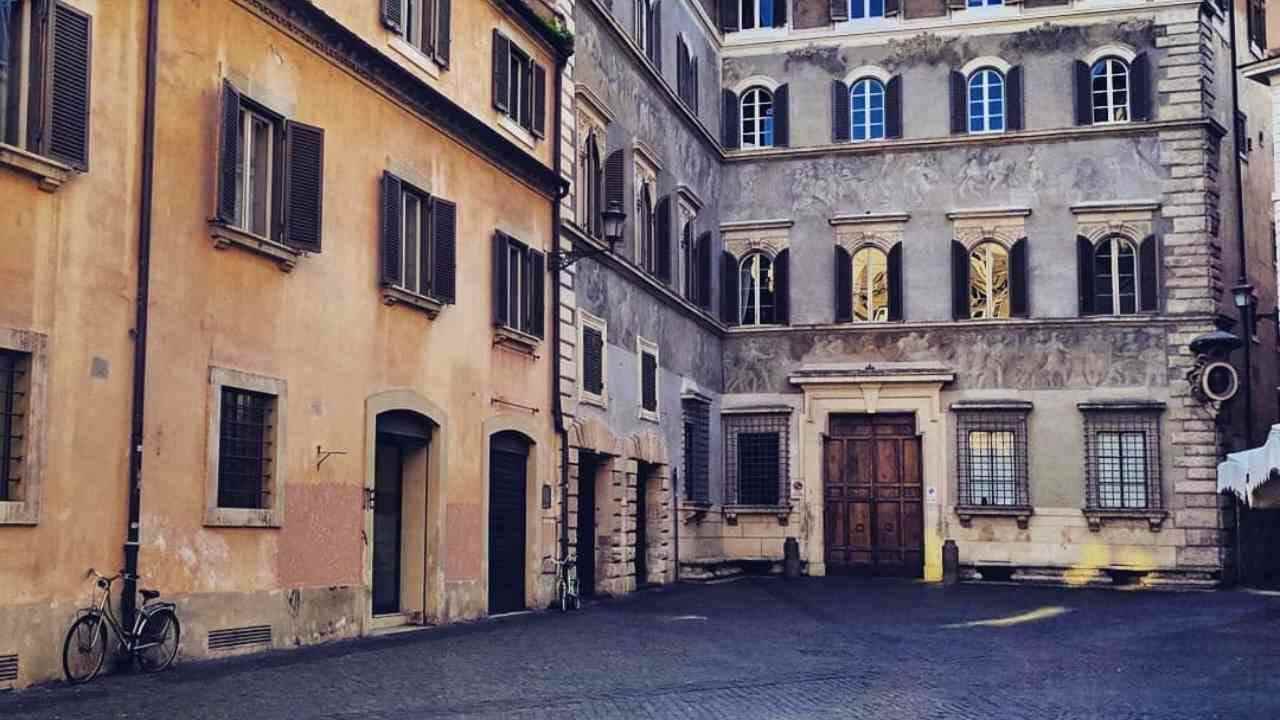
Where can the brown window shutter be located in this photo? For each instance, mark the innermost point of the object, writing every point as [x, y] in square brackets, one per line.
[500, 244]
[895, 282]
[391, 246]
[730, 130]
[228, 153]
[693, 75]
[539, 101]
[502, 72]
[1014, 100]
[728, 288]
[1084, 93]
[959, 104]
[648, 381]
[682, 70]
[892, 8]
[592, 360]
[704, 270]
[655, 28]
[782, 116]
[303, 186]
[839, 10]
[428, 27]
[843, 271]
[782, 287]
[615, 179]
[1149, 274]
[1140, 86]
[840, 119]
[729, 16]
[67, 108]
[893, 108]
[536, 282]
[960, 282]
[444, 249]
[1084, 274]
[665, 231]
[1019, 298]
[393, 14]
[780, 14]
[443, 31]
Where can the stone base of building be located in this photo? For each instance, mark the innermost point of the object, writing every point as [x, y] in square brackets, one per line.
[1129, 578]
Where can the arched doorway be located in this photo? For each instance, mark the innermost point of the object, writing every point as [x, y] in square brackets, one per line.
[508, 483]
[399, 500]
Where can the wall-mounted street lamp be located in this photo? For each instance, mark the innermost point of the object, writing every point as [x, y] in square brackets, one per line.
[614, 219]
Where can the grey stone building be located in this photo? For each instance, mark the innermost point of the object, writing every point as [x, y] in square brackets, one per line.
[897, 273]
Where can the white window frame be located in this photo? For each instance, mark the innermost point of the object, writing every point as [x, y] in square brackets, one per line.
[758, 128]
[273, 516]
[1119, 240]
[645, 346]
[872, 84]
[1108, 105]
[755, 16]
[972, 4]
[647, 228]
[866, 10]
[246, 162]
[587, 320]
[755, 299]
[987, 116]
[642, 24]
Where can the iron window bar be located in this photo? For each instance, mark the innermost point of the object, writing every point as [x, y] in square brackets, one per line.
[244, 451]
[757, 458]
[992, 475]
[12, 394]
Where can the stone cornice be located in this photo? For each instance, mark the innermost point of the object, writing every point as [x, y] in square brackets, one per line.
[536, 25]
[741, 226]
[1116, 206]
[988, 213]
[869, 219]
[1133, 321]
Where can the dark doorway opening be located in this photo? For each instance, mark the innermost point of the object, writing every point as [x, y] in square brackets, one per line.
[508, 469]
[401, 436]
[644, 477]
[588, 468]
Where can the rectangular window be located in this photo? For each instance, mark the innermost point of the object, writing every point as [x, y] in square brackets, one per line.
[991, 443]
[697, 450]
[256, 189]
[1258, 24]
[756, 458]
[1243, 142]
[593, 364]
[648, 353]
[418, 245]
[1122, 458]
[519, 86]
[14, 373]
[417, 242]
[245, 452]
[518, 275]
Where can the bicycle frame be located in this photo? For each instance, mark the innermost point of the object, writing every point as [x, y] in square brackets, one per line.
[102, 609]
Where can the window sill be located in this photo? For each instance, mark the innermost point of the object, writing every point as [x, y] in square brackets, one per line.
[392, 295]
[516, 130]
[652, 416]
[241, 517]
[732, 512]
[517, 340]
[18, 513]
[600, 401]
[1155, 518]
[49, 174]
[1021, 513]
[416, 57]
[696, 509]
[225, 236]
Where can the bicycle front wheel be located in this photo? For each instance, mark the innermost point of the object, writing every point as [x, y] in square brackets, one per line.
[563, 592]
[85, 649]
[158, 639]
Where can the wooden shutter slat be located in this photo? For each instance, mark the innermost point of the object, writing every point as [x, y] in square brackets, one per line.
[303, 186]
[1140, 86]
[893, 108]
[895, 282]
[615, 179]
[537, 293]
[648, 381]
[839, 10]
[1019, 298]
[728, 288]
[67, 110]
[665, 231]
[782, 287]
[444, 239]
[730, 132]
[228, 153]
[1149, 274]
[393, 14]
[1084, 275]
[428, 30]
[704, 270]
[539, 101]
[593, 360]
[729, 16]
[1014, 106]
[501, 72]
[960, 282]
[843, 273]
[840, 120]
[500, 244]
[892, 8]
[444, 31]
[1084, 93]
[959, 104]
[391, 247]
[782, 116]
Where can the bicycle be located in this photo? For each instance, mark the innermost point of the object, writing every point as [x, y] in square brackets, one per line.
[152, 643]
[566, 583]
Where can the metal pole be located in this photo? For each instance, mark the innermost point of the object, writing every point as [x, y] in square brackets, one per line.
[1242, 247]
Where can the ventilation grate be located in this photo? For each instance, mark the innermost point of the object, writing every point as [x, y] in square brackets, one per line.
[238, 637]
[8, 668]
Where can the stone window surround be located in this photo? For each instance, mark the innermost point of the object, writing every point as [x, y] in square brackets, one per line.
[974, 227]
[1135, 220]
[881, 230]
[740, 415]
[1139, 412]
[645, 170]
[689, 204]
[1008, 415]
[587, 320]
[272, 517]
[35, 451]
[592, 116]
[644, 345]
[769, 236]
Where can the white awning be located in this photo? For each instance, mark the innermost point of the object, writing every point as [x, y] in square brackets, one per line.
[1254, 475]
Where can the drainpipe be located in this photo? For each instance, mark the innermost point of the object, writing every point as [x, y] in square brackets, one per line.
[1243, 279]
[141, 300]
[557, 406]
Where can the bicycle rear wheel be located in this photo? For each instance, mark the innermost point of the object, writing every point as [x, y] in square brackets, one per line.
[562, 589]
[159, 635]
[85, 649]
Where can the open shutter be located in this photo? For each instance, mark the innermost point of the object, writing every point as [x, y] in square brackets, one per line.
[592, 360]
[443, 31]
[537, 281]
[500, 275]
[539, 101]
[648, 381]
[615, 178]
[682, 70]
[729, 16]
[840, 119]
[1015, 105]
[893, 107]
[429, 31]
[655, 28]
[892, 8]
[730, 132]
[228, 153]
[444, 239]
[839, 10]
[665, 231]
[782, 287]
[693, 78]
[1084, 275]
[780, 13]
[1084, 93]
[704, 270]
[391, 247]
[501, 72]
[728, 288]
[1018, 295]
[393, 14]
[303, 186]
[781, 117]
[959, 104]
[67, 108]
[895, 282]
[1149, 274]
[1140, 86]
[843, 273]
[959, 282]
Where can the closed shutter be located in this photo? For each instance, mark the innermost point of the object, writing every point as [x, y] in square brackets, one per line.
[1140, 84]
[782, 287]
[649, 381]
[694, 92]
[228, 154]
[443, 31]
[615, 179]
[444, 239]
[303, 186]
[1149, 274]
[665, 230]
[843, 284]
[393, 14]
[537, 282]
[704, 270]
[893, 107]
[67, 107]
[780, 13]
[895, 282]
[730, 132]
[781, 117]
[391, 247]
[655, 27]
[682, 70]
[1015, 104]
[539, 101]
[839, 10]
[959, 105]
[959, 282]
[592, 361]
[892, 8]
[1019, 298]
[502, 72]
[840, 119]
[729, 15]
[1084, 275]
[428, 30]
[500, 275]
[957, 4]
[1084, 93]
[728, 288]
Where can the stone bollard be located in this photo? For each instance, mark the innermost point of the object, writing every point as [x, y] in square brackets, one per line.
[950, 563]
[790, 558]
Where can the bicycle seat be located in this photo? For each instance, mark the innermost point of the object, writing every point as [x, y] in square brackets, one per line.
[149, 595]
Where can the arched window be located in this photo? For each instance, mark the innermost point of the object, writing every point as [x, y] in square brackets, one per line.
[866, 100]
[688, 261]
[591, 187]
[1109, 83]
[986, 101]
[758, 13]
[859, 9]
[646, 232]
[756, 304]
[1115, 268]
[757, 118]
[989, 281]
[870, 285]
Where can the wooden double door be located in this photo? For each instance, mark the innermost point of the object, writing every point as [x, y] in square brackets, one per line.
[873, 496]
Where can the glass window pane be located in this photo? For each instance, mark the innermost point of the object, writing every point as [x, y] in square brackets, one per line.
[411, 226]
[261, 179]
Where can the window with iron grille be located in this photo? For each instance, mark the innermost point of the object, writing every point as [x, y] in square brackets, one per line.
[756, 458]
[991, 463]
[14, 370]
[1122, 457]
[245, 449]
[697, 450]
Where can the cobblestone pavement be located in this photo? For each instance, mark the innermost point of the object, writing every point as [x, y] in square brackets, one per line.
[758, 648]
